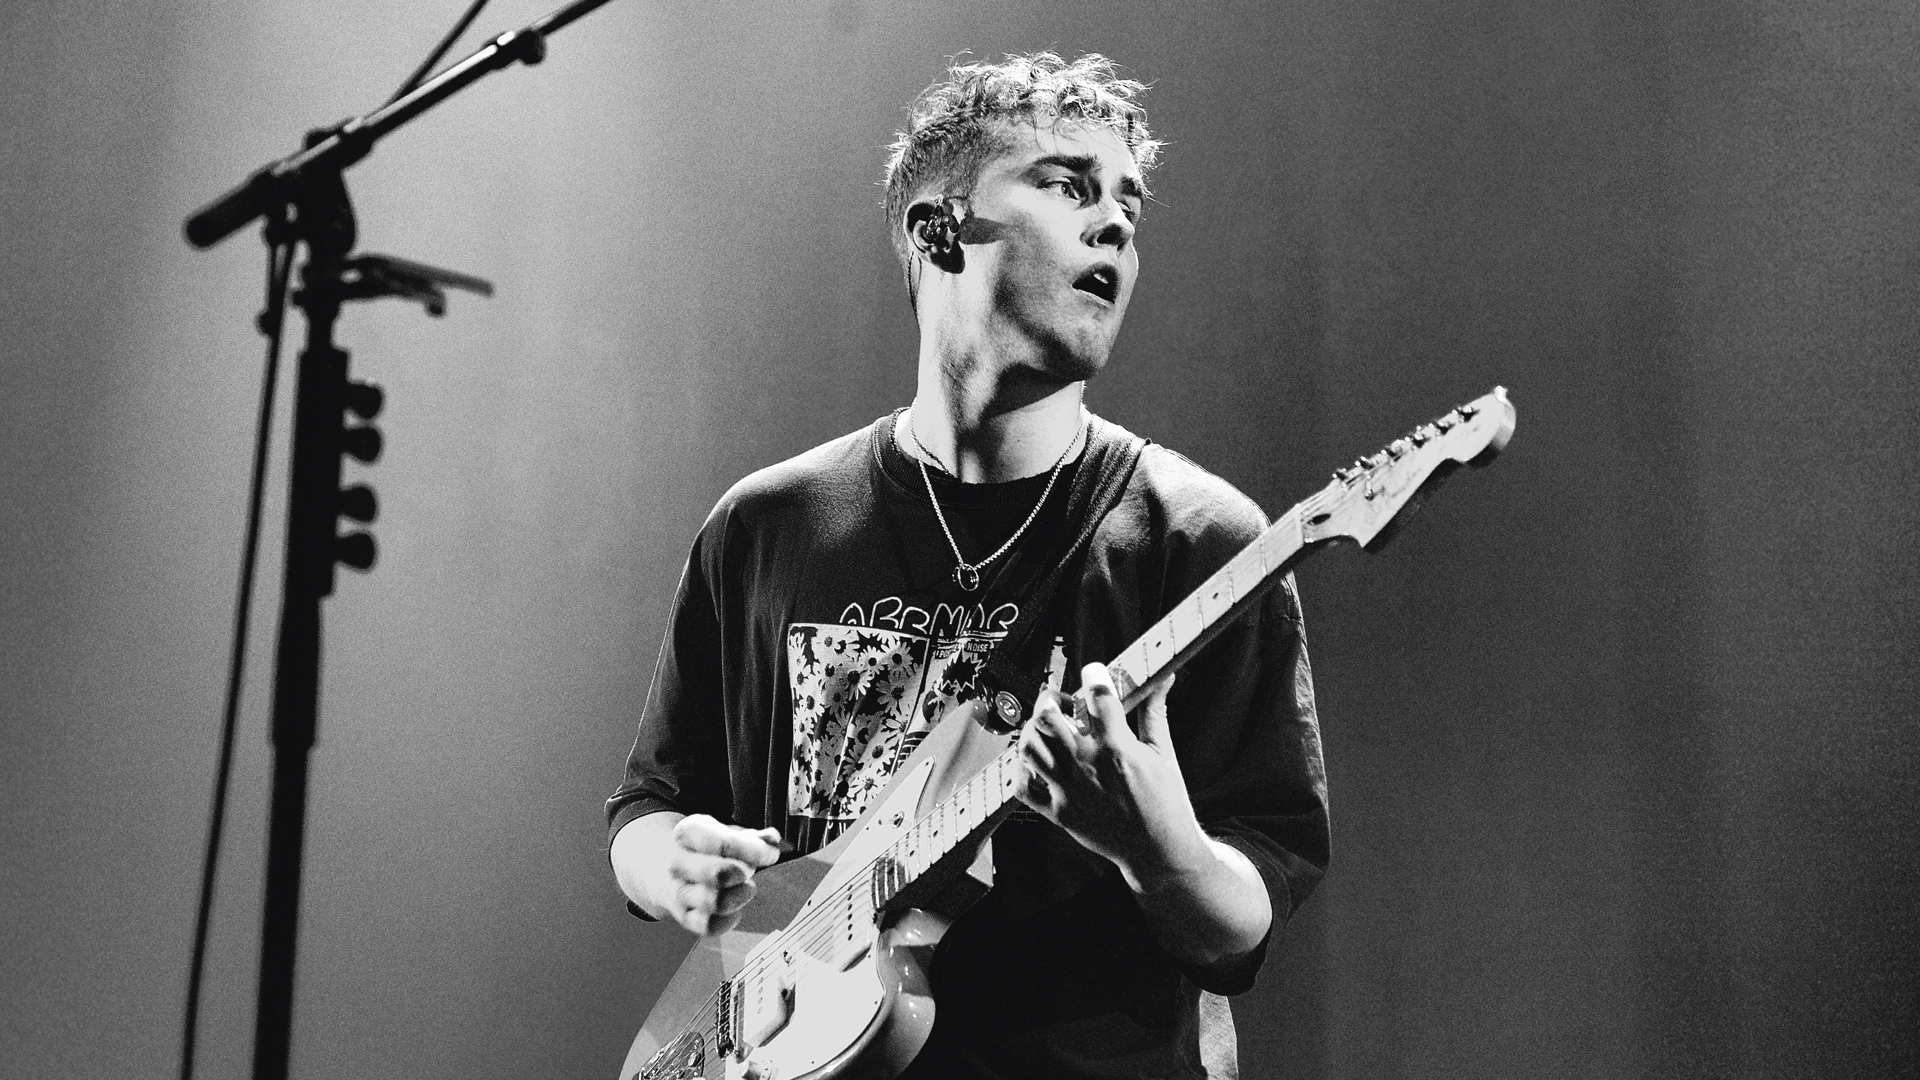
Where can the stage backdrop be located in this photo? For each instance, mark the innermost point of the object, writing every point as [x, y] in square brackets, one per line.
[1620, 732]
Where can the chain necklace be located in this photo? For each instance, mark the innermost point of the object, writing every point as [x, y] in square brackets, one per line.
[967, 577]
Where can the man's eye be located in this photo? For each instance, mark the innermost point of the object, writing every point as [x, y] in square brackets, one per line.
[1065, 185]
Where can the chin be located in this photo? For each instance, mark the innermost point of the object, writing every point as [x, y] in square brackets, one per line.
[1076, 365]
[1065, 351]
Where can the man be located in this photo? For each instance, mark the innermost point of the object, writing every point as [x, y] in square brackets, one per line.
[838, 605]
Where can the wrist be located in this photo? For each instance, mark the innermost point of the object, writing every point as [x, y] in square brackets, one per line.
[1168, 864]
[640, 854]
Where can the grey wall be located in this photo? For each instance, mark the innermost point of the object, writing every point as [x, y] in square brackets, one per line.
[1620, 732]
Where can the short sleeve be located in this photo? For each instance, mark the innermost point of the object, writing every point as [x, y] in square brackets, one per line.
[679, 759]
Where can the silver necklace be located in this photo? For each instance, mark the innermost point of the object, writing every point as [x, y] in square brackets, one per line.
[966, 576]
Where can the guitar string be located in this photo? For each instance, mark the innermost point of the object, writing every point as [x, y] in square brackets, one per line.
[810, 930]
[812, 923]
[862, 876]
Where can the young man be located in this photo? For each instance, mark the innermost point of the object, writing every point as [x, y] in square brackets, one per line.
[838, 605]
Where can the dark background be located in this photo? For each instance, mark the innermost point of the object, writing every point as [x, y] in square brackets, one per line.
[1620, 732]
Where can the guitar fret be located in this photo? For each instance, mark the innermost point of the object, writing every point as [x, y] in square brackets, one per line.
[1185, 622]
[1216, 596]
[1157, 645]
[1123, 667]
[1286, 538]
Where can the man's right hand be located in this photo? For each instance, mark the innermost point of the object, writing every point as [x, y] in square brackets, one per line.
[693, 870]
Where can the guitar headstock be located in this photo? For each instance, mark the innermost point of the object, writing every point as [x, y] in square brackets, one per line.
[1366, 497]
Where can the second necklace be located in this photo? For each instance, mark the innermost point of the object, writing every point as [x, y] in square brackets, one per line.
[966, 575]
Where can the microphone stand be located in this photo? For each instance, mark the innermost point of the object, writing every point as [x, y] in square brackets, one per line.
[304, 199]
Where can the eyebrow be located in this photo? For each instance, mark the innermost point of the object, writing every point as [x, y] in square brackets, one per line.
[1128, 184]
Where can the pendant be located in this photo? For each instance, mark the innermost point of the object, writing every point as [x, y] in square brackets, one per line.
[967, 577]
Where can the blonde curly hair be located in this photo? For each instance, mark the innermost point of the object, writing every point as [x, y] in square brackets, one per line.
[957, 125]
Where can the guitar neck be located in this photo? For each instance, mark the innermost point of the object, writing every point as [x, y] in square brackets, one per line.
[982, 802]
[1212, 607]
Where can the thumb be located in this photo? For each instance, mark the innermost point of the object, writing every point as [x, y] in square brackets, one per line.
[1153, 715]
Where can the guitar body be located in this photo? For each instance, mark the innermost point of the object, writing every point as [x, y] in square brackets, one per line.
[862, 1021]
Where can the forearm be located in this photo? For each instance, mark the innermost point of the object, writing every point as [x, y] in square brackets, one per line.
[1206, 904]
[640, 853]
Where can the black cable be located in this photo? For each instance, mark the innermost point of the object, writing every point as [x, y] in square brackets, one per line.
[279, 267]
[446, 43]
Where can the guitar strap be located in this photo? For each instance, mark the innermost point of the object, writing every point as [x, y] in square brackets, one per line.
[1017, 671]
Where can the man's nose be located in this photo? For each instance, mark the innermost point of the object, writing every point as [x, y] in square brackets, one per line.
[1111, 227]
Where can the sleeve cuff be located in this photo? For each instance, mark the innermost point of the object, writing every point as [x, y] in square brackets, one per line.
[621, 812]
[619, 817]
[1237, 975]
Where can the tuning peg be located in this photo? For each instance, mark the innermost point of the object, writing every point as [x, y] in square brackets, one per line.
[354, 550]
[364, 399]
[363, 443]
[1399, 448]
[1467, 410]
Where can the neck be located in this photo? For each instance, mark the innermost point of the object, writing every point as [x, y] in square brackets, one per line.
[987, 422]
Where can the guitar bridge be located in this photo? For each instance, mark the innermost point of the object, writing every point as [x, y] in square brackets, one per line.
[723, 1026]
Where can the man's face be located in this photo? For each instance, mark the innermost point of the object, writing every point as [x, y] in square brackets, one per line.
[1050, 255]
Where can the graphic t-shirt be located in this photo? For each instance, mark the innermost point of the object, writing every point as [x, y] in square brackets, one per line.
[818, 633]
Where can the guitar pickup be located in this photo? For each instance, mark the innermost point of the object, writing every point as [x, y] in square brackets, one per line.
[763, 1003]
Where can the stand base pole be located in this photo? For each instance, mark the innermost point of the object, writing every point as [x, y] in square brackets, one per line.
[280, 927]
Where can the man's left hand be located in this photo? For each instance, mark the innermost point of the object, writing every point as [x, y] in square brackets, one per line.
[1119, 794]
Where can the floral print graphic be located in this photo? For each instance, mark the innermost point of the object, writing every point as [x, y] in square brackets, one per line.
[866, 690]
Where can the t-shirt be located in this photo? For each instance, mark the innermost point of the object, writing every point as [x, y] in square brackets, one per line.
[819, 632]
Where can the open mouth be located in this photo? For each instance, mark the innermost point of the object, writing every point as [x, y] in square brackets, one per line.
[1102, 281]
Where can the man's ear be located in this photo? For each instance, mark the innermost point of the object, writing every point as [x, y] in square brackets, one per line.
[933, 228]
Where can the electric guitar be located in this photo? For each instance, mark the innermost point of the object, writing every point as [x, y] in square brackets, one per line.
[826, 976]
